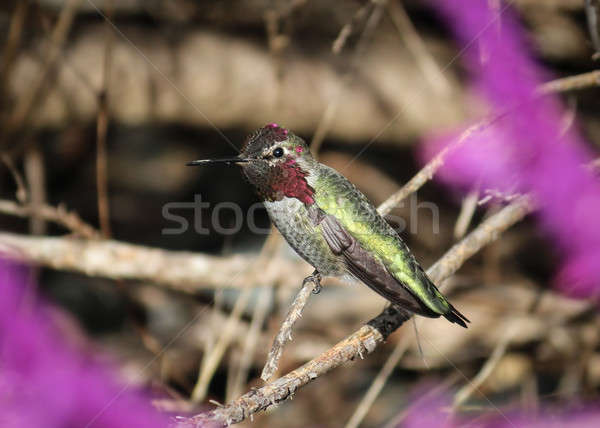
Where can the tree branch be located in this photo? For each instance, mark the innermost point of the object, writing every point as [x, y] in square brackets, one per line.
[178, 270]
[59, 215]
[368, 337]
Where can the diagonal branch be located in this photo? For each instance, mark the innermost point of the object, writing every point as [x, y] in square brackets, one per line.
[59, 215]
[368, 337]
[565, 84]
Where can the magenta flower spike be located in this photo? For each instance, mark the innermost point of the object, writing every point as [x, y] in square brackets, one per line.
[526, 150]
[46, 382]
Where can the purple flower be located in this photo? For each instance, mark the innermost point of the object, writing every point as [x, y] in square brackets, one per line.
[45, 382]
[428, 409]
[526, 150]
[434, 410]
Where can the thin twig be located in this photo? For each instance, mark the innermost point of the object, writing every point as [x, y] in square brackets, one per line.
[378, 383]
[425, 61]
[467, 210]
[285, 331]
[592, 9]
[571, 83]
[368, 337]
[36, 181]
[427, 172]
[21, 193]
[348, 28]
[27, 103]
[438, 389]
[327, 119]
[11, 44]
[482, 235]
[259, 315]
[488, 368]
[59, 215]
[101, 130]
[211, 360]
[278, 40]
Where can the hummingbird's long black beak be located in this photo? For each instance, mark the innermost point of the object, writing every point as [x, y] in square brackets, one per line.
[227, 161]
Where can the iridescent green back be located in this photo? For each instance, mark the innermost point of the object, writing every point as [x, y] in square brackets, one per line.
[336, 196]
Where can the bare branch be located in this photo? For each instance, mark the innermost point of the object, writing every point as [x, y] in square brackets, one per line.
[378, 383]
[36, 183]
[425, 174]
[466, 391]
[572, 83]
[347, 78]
[485, 233]
[102, 129]
[592, 9]
[179, 270]
[368, 337]
[248, 349]
[27, 103]
[309, 285]
[425, 60]
[467, 210]
[212, 358]
[58, 215]
[21, 193]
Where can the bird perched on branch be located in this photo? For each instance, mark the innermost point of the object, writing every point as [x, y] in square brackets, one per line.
[331, 224]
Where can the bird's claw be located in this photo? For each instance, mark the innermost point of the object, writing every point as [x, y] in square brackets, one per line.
[315, 278]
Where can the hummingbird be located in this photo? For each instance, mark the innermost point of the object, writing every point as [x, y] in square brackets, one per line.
[331, 224]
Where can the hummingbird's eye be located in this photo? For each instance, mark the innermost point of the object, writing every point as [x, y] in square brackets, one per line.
[278, 152]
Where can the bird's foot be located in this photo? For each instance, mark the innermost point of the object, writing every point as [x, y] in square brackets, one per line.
[315, 278]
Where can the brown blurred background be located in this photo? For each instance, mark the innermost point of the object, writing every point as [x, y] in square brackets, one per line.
[102, 104]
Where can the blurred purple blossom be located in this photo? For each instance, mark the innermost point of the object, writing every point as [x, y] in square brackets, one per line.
[45, 382]
[527, 149]
[428, 408]
[432, 409]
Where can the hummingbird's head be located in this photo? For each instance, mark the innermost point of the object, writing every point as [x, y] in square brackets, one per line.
[276, 162]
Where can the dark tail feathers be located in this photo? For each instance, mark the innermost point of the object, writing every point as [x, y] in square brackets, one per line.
[456, 317]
